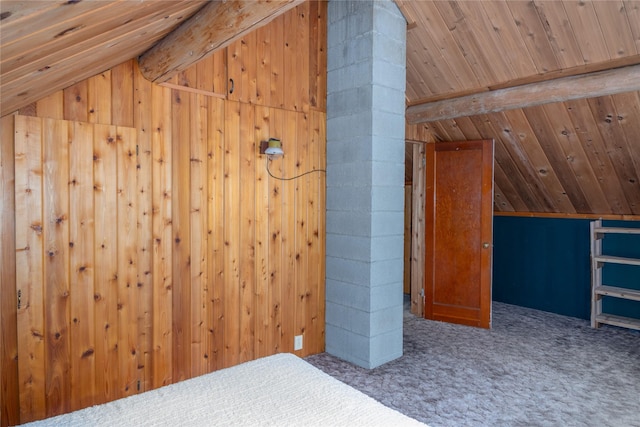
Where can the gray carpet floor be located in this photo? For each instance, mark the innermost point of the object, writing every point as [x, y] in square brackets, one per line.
[531, 369]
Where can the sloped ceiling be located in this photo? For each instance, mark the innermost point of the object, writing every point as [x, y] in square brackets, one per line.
[49, 45]
[577, 156]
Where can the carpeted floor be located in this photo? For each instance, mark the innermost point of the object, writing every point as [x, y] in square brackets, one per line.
[531, 369]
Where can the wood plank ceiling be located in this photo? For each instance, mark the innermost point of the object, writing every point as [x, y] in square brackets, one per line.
[50, 45]
[578, 156]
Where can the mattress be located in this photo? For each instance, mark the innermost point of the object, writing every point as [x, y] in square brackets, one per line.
[279, 390]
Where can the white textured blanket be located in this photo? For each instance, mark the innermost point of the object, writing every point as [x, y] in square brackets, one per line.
[280, 390]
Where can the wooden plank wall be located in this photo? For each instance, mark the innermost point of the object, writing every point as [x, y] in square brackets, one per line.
[151, 243]
[417, 137]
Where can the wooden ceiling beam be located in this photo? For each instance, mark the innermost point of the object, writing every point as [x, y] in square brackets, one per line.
[602, 83]
[215, 26]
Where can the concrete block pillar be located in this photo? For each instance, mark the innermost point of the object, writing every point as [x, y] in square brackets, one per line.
[365, 180]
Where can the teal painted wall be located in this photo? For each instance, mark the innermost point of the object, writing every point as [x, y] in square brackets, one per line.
[544, 263]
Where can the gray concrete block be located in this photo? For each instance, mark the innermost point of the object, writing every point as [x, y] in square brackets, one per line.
[389, 49]
[387, 174]
[356, 248]
[365, 181]
[386, 320]
[350, 101]
[348, 223]
[387, 199]
[350, 294]
[388, 19]
[349, 318]
[388, 150]
[386, 247]
[388, 100]
[387, 223]
[389, 75]
[387, 272]
[387, 124]
[350, 151]
[384, 348]
[384, 296]
[357, 174]
[347, 270]
[349, 126]
[348, 346]
[351, 75]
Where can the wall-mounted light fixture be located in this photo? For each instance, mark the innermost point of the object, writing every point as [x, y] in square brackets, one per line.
[272, 147]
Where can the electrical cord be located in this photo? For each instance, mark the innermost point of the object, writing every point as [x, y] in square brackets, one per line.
[293, 177]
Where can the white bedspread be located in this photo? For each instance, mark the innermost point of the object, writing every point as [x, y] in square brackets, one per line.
[280, 390]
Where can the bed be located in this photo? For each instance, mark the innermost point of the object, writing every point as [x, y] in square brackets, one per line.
[279, 390]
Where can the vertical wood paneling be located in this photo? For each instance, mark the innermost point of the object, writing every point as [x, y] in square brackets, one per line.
[99, 98]
[262, 260]
[300, 248]
[179, 254]
[231, 232]
[216, 224]
[246, 244]
[143, 123]
[56, 134]
[127, 260]
[181, 235]
[81, 266]
[122, 94]
[205, 73]
[276, 207]
[220, 80]
[234, 70]
[315, 50]
[106, 263]
[75, 102]
[317, 259]
[289, 52]
[277, 81]
[9, 402]
[162, 310]
[199, 236]
[263, 65]
[249, 69]
[288, 261]
[29, 268]
[51, 106]
[406, 277]
[418, 229]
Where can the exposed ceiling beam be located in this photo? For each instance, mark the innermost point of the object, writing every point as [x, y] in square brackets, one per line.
[213, 27]
[609, 82]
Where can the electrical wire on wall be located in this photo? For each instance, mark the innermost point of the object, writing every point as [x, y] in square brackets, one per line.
[293, 177]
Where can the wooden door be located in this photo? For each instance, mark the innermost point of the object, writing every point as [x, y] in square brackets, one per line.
[458, 236]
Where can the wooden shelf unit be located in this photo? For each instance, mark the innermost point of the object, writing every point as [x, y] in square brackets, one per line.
[598, 290]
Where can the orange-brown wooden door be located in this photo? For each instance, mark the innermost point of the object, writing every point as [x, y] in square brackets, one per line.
[459, 228]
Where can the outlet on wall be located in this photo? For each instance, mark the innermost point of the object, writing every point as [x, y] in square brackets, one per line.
[297, 342]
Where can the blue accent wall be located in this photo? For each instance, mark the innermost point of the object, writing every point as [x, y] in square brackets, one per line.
[544, 263]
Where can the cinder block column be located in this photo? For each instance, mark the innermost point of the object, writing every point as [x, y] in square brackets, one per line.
[365, 181]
